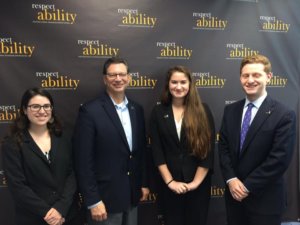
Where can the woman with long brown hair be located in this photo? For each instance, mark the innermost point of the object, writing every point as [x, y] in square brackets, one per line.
[182, 135]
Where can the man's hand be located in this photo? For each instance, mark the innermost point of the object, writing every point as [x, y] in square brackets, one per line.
[99, 212]
[237, 189]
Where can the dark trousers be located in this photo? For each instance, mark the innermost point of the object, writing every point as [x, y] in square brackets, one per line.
[128, 217]
[238, 214]
[187, 209]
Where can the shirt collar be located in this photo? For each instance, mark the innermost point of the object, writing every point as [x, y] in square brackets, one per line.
[121, 105]
[257, 103]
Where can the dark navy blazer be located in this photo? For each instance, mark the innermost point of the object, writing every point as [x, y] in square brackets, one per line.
[106, 168]
[266, 153]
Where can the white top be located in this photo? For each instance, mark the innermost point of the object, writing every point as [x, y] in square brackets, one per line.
[178, 126]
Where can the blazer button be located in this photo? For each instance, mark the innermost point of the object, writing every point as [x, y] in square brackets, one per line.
[128, 173]
[130, 157]
[54, 192]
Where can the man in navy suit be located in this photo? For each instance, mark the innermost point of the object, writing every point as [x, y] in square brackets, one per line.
[255, 148]
[109, 149]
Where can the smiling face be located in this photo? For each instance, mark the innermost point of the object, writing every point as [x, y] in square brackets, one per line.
[254, 80]
[179, 85]
[116, 78]
[38, 116]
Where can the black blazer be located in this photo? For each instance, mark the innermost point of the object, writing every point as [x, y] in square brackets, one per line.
[107, 170]
[266, 153]
[37, 185]
[168, 149]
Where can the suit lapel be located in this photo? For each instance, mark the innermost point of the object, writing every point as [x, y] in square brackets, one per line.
[168, 118]
[133, 115]
[54, 148]
[238, 114]
[113, 115]
[34, 147]
[265, 110]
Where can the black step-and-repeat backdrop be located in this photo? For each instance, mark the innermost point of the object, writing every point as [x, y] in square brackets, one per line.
[61, 46]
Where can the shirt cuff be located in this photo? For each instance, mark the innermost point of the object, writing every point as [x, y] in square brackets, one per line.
[227, 182]
[94, 205]
[246, 189]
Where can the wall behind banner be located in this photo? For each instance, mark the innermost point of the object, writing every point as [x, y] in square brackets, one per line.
[61, 46]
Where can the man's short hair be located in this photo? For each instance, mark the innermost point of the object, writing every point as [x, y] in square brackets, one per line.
[257, 59]
[114, 60]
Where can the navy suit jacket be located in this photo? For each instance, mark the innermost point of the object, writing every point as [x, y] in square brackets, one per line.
[266, 153]
[106, 168]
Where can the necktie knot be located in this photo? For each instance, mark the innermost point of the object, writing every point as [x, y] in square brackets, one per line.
[250, 105]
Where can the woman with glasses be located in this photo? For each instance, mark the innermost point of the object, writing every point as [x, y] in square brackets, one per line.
[38, 164]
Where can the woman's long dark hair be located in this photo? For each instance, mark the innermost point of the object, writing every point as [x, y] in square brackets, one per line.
[195, 121]
[22, 123]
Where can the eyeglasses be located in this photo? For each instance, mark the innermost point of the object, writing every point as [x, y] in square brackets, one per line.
[114, 75]
[37, 107]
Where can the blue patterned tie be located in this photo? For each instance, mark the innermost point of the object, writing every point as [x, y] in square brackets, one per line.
[246, 124]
